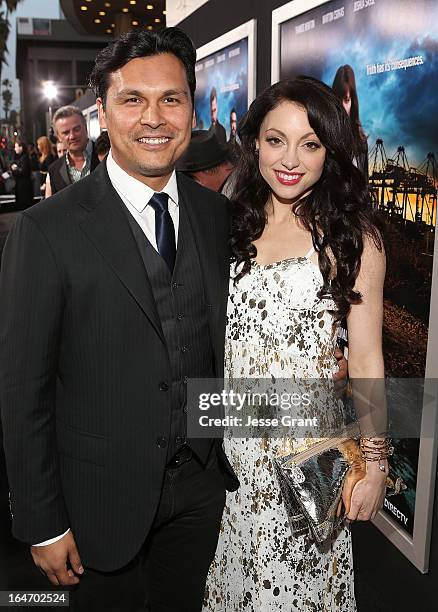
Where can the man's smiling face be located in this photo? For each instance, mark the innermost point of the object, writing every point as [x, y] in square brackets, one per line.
[148, 113]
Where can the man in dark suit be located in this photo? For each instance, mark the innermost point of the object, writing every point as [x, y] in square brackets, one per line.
[112, 296]
[215, 126]
[81, 159]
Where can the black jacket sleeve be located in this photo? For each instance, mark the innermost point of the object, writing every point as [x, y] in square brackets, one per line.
[31, 304]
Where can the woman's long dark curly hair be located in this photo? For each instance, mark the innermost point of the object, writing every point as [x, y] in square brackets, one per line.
[337, 212]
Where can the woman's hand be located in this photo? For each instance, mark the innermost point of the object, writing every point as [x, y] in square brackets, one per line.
[340, 377]
[369, 493]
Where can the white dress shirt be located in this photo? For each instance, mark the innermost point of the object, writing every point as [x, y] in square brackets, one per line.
[136, 196]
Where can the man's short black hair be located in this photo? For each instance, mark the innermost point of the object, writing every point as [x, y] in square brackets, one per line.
[141, 43]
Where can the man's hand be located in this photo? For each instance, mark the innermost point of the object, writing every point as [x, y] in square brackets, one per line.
[52, 560]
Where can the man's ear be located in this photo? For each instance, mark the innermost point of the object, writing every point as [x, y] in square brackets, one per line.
[101, 112]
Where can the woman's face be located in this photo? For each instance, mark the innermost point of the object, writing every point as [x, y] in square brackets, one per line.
[18, 148]
[346, 101]
[291, 156]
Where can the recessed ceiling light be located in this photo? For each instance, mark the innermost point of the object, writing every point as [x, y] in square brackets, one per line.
[132, 1]
[84, 8]
[97, 21]
[150, 27]
[113, 25]
[150, 7]
[157, 20]
[125, 10]
[164, 12]
[107, 4]
[102, 13]
[108, 31]
[134, 22]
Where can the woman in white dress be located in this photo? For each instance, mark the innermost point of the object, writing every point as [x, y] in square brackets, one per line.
[305, 254]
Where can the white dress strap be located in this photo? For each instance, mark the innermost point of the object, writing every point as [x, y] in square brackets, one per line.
[310, 253]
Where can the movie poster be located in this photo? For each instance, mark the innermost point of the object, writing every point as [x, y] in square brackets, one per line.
[222, 89]
[391, 49]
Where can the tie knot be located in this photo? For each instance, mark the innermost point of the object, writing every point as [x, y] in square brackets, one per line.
[159, 202]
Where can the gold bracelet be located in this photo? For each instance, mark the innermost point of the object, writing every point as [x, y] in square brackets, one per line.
[376, 450]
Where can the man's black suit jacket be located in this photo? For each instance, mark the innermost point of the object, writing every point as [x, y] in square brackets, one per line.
[82, 359]
[58, 172]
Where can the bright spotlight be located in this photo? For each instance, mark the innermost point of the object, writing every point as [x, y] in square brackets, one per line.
[50, 90]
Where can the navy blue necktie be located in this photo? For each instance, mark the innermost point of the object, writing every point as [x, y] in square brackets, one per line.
[164, 229]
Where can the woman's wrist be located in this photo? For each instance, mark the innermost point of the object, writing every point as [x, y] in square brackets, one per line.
[377, 469]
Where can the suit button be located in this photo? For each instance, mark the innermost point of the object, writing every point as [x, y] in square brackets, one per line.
[175, 285]
[184, 349]
[162, 442]
[179, 440]
[185, 409]
[163, 386]
[185, 379]
[180, 316]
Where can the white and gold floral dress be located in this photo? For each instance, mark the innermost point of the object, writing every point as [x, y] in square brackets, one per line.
[277, 327]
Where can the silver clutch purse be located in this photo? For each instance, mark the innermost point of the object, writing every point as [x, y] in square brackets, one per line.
[311, 480]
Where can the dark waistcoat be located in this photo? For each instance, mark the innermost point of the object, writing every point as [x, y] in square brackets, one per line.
[182, 311]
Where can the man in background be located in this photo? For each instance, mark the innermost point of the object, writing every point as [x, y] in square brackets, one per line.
[206, 160]
[215, 126]
[80, 159]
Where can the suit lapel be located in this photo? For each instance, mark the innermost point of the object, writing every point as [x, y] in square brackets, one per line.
[108, 229]
[64, 173]
[202, 221]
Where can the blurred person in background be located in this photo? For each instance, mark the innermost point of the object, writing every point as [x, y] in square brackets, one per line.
[70, 127]
[3, 170]
[34, 167]
[61, 148]
[206, 160]
[46, 158]
[22, 173]
[102, 145]
[344, 86]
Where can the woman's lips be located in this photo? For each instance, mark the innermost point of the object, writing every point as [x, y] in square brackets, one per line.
[288, 178]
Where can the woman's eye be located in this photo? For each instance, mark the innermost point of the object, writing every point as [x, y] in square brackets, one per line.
[312, 145]
[273, 140]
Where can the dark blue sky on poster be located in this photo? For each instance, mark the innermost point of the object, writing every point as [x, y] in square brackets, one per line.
[227, 71]
[397, 104]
